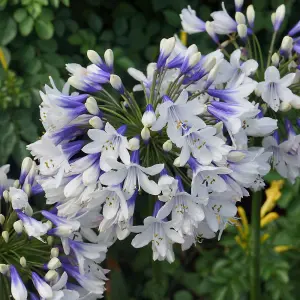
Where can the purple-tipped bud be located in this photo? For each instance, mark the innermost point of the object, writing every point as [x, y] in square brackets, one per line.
[117, 84]
[165, 98]
[149, 116]
[277, 19]
[166, 48]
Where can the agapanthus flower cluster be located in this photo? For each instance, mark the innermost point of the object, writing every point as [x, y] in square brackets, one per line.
[34, 264]
[195, 136]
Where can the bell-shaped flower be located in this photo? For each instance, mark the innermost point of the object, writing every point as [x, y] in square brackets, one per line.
[133, 176]
[110, 142]
[202, 144]
[178, 115]
[273, 89]
[190, 22]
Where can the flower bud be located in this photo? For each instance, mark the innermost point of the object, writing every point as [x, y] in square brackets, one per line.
[27, 189]
[23, 261]
[49, 224]
[286, 46]
[109, 58]
[242, 31]
[176, 162]
[279, 16]
[240, 18]
[54, 263]
[116, 83]
[50, 240]
[94, 57]
[238, 4]
[134, 143]
[4, 269]
[194, 59]
[167, 146]
[2, 219]
[51, 275]
[166, 47]
[18, 226]
[250, 15]
[209, 64]
[149, 116]
[54, 252]
[96, 122]
[29, 210]
[25, 168]
[275, 59]
[5, 236]
[285, 106]
[16, 184]
[6, 196]
[92, 106]
[145, 134]
[212, 76]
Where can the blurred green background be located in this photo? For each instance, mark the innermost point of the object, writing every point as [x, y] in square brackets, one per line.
[37, 38]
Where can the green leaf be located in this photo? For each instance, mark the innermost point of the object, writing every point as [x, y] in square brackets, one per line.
[125, 62]
[118, 286]
[55, 3]
[8, 32]
[20, 152]
[47, 15]
[183, 295]
[8, 140]
[26, 26]
[59, 27]
[107, 35]
[75, 39]
[44, 29]
[66, 2]
[172, 18]
[33, 66]
[120, 26]
[47, 46]
[34, 10]
[95, 22]
[20, 15]
[159, 4]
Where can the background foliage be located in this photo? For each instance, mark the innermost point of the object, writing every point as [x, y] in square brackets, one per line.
[37, 38]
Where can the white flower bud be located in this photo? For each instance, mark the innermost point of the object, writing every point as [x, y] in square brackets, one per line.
[167, 146]
[242, 31]
[54, 252]
[27, 189]
[240, 18]
[209, 64]
[109, 57]
[149, 116]
[6, 196]
[116, 83]
[134, 144]
[275, 59]
[235, 156]
[209, 27]
[238, 4]
[194, 59]
[176, 162]
[29, 210]
[286, 46]
[2, 219]
[225, 44]
[48, 224]
[212, 76]
[94, 57]
[23, 261]
[167, 46]
[145, 134]
[96, 122]
[51, 275]
[54, 263]
[250, 15]
[279, 16]
[285, 106]
[5, 236]
[50, 240]
[18, 226]
[273, 16]
[4, 269]
[26, 165]
[92, 106]
[16, 184]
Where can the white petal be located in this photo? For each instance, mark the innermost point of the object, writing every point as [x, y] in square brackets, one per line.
[249, 66]
[149, 186]
[272, 74]
[153, 170]
[173, 235]
[165, 210]
[142, 239]
[287, 80]
[235, 58]
[184, 155]
[113, 177]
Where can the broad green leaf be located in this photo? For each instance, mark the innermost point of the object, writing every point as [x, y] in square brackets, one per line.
[44, 29]
[26, 26]
[183, 295]
[20, 15]
[118, 286]
[47, 46]
[34, 10]
[8, 32]
[20, 152]
[120, 26]
[172, 18]
[33, 66]
[95, 22]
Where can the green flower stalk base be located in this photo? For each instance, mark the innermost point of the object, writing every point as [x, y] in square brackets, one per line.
[255, 246]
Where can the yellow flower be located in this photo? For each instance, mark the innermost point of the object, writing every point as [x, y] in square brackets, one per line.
[270, 217]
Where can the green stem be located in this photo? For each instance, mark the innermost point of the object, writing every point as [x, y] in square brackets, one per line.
[271, 48]
[255, 246]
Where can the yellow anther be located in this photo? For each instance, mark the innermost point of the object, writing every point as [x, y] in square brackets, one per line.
[183, 37]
